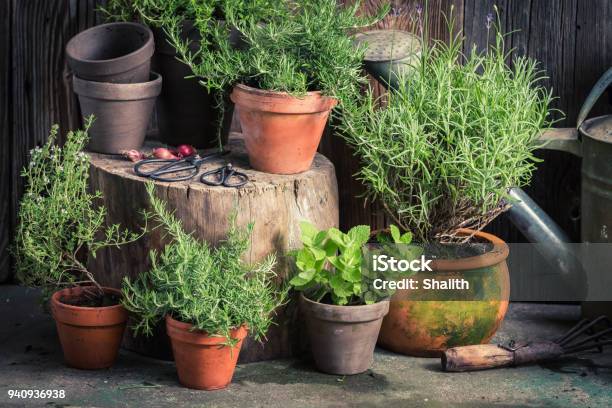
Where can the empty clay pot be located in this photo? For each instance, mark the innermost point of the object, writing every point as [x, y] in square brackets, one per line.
[114, 52]
[121, 111]
[281, 132]
[343, 338]
[186, 111]
[90, 336]
[203, 362]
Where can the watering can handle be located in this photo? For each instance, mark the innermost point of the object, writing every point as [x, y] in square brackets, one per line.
[599, 88]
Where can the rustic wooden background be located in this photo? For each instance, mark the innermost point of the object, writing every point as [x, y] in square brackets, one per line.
[571, 38]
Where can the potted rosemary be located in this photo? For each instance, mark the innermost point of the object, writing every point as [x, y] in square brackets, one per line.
[296, 65]
[457, 133]
[208, 297]
[187, 112]
[59, 226]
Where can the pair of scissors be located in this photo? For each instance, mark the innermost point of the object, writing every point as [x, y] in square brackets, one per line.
[174, 169]
[223, 176]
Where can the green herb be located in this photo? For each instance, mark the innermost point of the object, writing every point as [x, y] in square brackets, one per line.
[331, 265]
[294, 47]
[59, 221]
[449, 143]
[210, 288]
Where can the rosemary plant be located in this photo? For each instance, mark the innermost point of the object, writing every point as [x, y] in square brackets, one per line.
[294, 47]
[59, 221]
[210, 288]
[460, 131]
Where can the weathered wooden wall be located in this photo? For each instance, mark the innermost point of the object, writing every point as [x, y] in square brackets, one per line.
[572, 39]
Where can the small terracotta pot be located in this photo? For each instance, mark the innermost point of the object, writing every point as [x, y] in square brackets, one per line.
[343, 338]
[90, 336]
[426, 328]
[114, 52]
[121, 111]
[203, 362]
[281, 132]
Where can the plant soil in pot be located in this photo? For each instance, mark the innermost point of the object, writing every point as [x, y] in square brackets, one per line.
[115, 52]
[203, 362]
[343, 337]
[121, 112]
[425, 328]
[90, 327]
[281, 132]
[186, 111]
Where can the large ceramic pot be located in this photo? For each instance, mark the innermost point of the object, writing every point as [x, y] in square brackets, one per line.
[426, 328]
[121, 112]
[281, 132]
[114, 52]
[203, 362]
[186, 111]
[343, 338]
[90, 336]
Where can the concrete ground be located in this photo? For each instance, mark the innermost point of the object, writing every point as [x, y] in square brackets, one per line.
[30, 358]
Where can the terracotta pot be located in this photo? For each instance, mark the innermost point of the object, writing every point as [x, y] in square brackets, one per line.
[186, 111]
[281, 132]
[114, 52]
[121, 111]
[203, 362]
[343, 338]
[426, 328]
[90, 336]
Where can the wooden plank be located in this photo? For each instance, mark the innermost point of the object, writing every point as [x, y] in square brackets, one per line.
[6, 226]
[41, 92]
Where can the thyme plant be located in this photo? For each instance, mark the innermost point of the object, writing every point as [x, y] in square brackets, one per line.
[59, 221]
[211, 288]
[449, 143]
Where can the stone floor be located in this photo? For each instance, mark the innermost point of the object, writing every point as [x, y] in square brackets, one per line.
[30, 358]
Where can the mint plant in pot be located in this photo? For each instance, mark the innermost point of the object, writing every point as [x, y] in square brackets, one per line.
[208, 297]
[440, 155]
[295, 66]
[59, 227]
[343, 311]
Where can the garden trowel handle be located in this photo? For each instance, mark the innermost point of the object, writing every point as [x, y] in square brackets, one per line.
[485, 356]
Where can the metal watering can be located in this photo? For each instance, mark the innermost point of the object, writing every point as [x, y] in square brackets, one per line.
[591, 140]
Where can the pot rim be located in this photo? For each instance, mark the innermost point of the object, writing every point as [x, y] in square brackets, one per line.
[146, 47]
[343, 307]
[239, 332]
[499, 253]
[346, 314]
[55, 298]
[122, 92]
[281, 102]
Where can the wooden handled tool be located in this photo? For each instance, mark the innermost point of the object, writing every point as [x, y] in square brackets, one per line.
[582, 337]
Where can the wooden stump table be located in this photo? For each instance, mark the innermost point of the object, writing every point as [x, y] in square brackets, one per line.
[275, 203]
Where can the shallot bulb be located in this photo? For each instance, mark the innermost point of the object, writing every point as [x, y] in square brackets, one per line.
[133, 155]
[186, 150]
[164, 153]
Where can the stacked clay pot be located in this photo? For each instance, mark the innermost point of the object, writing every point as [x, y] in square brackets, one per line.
[114, 82]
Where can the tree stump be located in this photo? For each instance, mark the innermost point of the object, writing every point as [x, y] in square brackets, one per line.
[275, 203]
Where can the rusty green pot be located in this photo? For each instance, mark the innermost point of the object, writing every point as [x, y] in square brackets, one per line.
[425, 328]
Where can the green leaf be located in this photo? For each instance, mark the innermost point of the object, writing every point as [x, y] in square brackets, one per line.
[360, 234]
[406, 238]
[309, 232]
[337, 237]
[395, 234]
